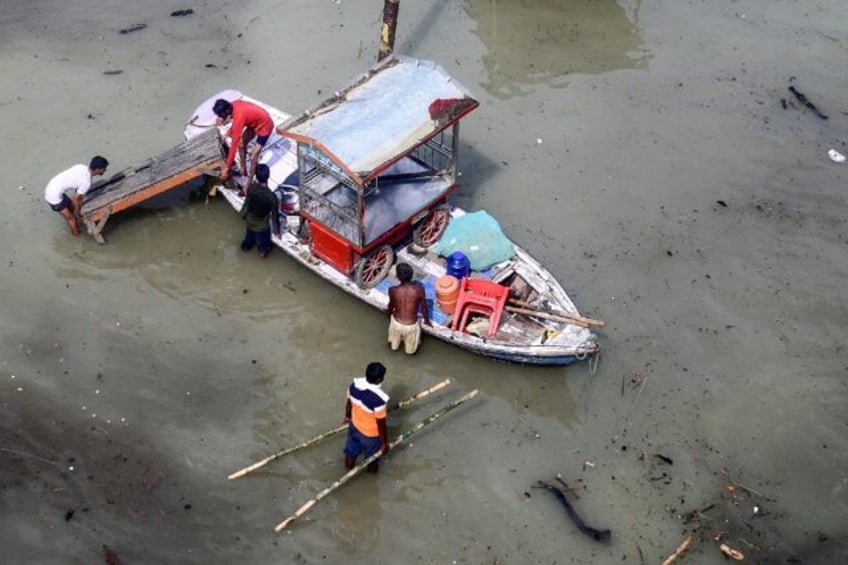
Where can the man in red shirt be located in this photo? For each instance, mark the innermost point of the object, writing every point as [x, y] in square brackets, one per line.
[248, 121]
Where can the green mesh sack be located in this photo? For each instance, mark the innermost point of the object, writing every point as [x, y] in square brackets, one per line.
[478, 235]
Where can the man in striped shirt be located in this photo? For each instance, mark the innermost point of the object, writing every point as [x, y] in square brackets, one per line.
[366, 410]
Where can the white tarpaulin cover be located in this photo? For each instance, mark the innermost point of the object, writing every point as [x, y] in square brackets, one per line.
[379, 117]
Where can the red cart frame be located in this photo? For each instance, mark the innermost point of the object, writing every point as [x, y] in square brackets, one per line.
[377, 163]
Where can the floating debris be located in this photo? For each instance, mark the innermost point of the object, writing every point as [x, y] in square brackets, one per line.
[664, 459]
[730, 552]
[803, 100]
[681, 549]
[178, 13]
[836, 156]
[115, 72]
[132, 28]
[594, 533]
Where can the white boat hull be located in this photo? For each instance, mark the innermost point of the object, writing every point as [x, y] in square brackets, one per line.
[520, 338]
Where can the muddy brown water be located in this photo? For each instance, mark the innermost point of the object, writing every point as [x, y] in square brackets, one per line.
[639, 149]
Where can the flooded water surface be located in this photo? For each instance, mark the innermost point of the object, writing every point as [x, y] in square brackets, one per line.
[649, 154]
[543, 42]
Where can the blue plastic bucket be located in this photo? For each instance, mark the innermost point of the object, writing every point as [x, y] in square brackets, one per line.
[458, 265]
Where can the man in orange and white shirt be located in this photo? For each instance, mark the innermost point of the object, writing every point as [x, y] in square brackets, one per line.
[366, 410]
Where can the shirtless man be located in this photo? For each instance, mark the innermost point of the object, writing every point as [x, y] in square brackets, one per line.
[405, 299]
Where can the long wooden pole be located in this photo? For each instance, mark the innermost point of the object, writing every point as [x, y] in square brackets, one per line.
[359, 468]
[546, 315]
[582, 319]
[402, 404]
[387, 32]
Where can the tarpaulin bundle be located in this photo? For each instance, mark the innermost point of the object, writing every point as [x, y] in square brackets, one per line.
[479, 237]
[447, 108]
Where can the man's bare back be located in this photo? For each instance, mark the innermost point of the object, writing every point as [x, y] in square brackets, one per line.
[404, 301]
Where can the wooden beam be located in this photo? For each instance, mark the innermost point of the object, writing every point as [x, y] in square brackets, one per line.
[159, 187]
[187, 161]
[387, 32]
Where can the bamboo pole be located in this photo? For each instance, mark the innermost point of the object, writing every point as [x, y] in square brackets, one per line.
[546, 316]
[402, 404]
[359, 468]
[577, 317]
[681, 549]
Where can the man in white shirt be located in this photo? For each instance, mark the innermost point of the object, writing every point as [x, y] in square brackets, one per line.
[78, 179]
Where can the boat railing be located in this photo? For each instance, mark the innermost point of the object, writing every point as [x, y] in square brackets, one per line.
[436, 153]
[339, 218]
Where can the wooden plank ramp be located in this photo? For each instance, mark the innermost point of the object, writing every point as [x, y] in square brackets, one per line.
[187, 161]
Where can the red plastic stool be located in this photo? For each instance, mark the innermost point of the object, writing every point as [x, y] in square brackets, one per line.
[480, 296]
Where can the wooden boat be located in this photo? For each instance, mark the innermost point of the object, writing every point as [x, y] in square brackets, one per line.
[364, 179]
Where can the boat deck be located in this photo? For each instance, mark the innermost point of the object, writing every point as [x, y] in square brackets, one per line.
[514, 329]
[187, 161]
[428, 267]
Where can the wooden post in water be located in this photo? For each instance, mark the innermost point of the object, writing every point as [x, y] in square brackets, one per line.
[387, 32]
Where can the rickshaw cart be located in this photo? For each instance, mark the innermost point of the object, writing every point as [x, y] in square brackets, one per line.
[376, 164]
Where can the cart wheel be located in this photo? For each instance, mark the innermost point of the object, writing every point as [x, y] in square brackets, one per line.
[375, 267]
[432, 227]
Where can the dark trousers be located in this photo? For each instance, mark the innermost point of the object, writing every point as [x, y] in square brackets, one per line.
[261, 239]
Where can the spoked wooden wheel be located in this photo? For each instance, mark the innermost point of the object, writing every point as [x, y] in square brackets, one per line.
[432, 227]
[375, 267]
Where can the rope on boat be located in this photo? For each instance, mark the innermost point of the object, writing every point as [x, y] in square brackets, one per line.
[584, 349]
[593, 362]
[589, 350]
